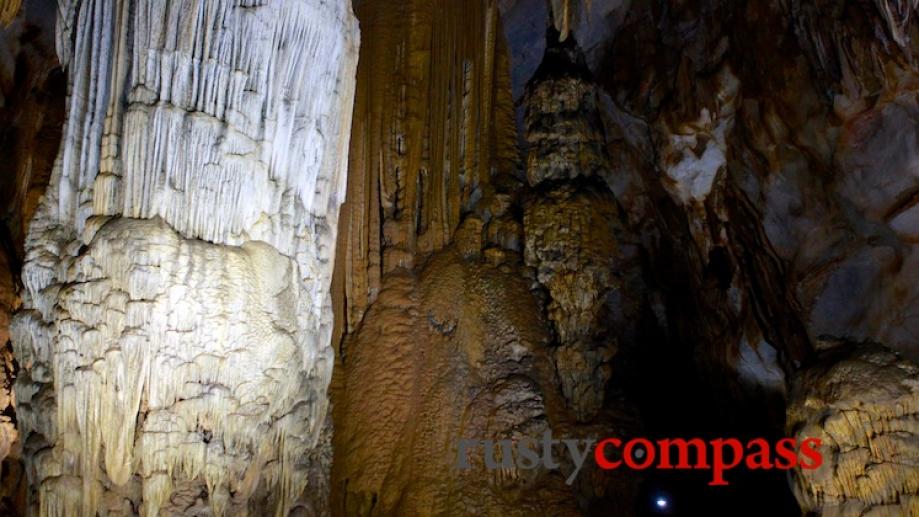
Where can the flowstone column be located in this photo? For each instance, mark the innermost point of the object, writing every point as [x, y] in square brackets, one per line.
[176, 323]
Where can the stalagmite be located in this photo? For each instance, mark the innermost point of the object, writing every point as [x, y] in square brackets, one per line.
[862, 402]
[646, 224]
[177, 314]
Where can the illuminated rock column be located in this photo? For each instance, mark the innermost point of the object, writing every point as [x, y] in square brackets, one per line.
[175, 335]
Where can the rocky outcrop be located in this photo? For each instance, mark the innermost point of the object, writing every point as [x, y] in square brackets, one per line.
[861, 402]
[176, 323]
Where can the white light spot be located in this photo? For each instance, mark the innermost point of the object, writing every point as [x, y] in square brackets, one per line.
[662, 502]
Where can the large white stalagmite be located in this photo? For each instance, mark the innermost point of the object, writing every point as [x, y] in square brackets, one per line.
[176, 325]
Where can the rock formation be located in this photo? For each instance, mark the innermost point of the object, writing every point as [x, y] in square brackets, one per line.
[433, 129]
[464, 348]
[562, 218]
[763, 155]
[32, 90]
[861, 402]
[572, 223]
[433, 123]
[175, 332]
[452, 343]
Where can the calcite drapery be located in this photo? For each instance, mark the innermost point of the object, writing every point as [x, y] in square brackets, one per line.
[151, 359]
[433, 124]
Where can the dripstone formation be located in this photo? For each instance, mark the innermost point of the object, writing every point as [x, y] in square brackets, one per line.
[571, 224]
[174, 340]
[255, 260]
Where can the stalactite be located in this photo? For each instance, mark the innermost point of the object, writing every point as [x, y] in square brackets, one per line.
[564, 16]
[154, 361]
[572, 222]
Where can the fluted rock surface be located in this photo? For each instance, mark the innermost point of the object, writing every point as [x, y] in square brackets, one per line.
[445, 330]
[160, 371]
[433, 124]
[862, 402]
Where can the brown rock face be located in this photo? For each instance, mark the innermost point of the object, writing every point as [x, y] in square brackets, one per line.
[445, 346]
[564, 131]
[862, 402]
[455, 351]
[455, 344]
[571, 242]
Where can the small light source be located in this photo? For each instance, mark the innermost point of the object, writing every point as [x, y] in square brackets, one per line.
[662, 503]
